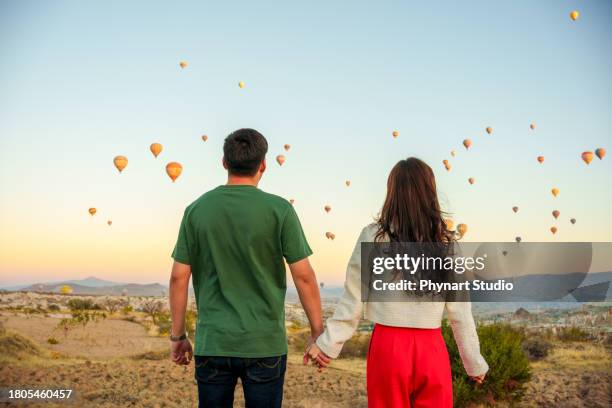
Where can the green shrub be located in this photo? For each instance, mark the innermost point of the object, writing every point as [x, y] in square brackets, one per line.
[82, 304]
[536, 347]
[501, 346]
[163, 323]
[572, 334]
[126, 310]
[53, 307]
[52, 340]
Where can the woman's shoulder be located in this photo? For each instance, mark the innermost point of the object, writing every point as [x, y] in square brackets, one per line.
[368, 233]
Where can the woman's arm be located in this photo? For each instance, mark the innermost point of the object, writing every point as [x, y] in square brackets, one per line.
[464, 332]
[342, 325]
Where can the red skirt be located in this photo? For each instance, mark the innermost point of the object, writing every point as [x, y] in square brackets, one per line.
[408, 367]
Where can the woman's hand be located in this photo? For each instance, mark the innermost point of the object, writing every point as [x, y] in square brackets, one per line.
[313, 353]
[479, 379]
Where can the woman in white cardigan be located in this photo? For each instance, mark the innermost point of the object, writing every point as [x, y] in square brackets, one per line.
[407, 363]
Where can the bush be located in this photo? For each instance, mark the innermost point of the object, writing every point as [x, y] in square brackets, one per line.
[572, 334]
[501, 346]
[127, 309]
[53, 307]
[52, 340]
[536, 348]
[82, 304]
[356, 346]
[163, 323]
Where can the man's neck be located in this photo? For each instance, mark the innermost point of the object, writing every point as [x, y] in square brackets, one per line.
[241, 181]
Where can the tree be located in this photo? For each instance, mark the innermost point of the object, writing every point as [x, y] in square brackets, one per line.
[152, 307]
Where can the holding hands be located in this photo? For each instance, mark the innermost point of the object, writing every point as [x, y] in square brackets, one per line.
[314, 354]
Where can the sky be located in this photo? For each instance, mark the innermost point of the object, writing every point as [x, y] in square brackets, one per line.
[82, 82]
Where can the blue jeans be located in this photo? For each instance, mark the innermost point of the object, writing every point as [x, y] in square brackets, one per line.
[262, 380]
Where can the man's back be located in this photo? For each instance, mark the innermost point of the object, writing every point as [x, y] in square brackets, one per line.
[235, 238]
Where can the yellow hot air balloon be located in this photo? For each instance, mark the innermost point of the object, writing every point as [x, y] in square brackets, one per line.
[241, 84]
[541, 159]
[327, 208]
[287, 147]
[449, 224]
[92, 211]
[532, 126]
[555, 191]
[515, 209]
[156, 149]
[109, 222]
[183, 64]
[395, 133]
[66, 290]
[600, 152]
[174, 170]
[462, 229]
[553, 230]
[348, 183]
[489, 129]
[280, 159]
[467, 143]
[471, 180]
[574, 15]
[120, 162]
[330, 235]
[556, 214]
[453, 153]
[587, 157]
[204, 138]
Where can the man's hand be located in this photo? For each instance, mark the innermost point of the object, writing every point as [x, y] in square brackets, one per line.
[181, 352]
[313, 353]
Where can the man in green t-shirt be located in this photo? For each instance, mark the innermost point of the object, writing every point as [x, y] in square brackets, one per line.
[234, 241]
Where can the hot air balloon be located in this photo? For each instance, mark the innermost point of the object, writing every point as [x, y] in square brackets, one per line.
[92, 211]
[445, 162]
[462, 229]
[453, 153]
[600, 152]
[556, 214]
[287, 147]
[505, 253]
[204, 138]
[120, 162]
[174, 170]
[587, 157]
[489, 129]
[553, 230]
[322, 285]
[541, 159]
[327, 208]
[241, 84]
[395, 133]
[573, 220]
[183, 64]
[515, 209]
[156, 149]
[518, 239]
[467, 143]
[532, 126]
[330, 235]
[109, 222]
[280, 159]
[574, 15]
[555, 191]
[348, 183]
[448, 167]
[471, 180]
[449, 224]
[66, 290]
[291, 200]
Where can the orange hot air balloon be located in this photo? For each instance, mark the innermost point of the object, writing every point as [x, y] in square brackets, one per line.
[348, 183]
[156, 149]
[515, 209]
[204, 138]
[287, 147]
[174, 170]
[556, 214]
[541, 159]
[489, 129]
[600, 152]
[120, 162]
[92, 211]
[553, 230]
[471, 180]
[327, 208]
[574, 15]
[453, 153]
[587, 157]
[445, 162]
[395, 133]
[183, 64]
[467, 143]
[555, 191]
[462, 229]
[330, 235]
[532, 126]
[449, 224]
[109, 222]
[280, 159]
[241, 84]
[291, 200]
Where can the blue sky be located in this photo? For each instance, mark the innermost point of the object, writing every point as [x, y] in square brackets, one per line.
[83, 82]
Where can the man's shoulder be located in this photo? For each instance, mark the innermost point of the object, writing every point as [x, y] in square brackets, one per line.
[275, 199]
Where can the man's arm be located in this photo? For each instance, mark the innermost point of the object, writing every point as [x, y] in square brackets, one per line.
[308, 290]
[181, 351]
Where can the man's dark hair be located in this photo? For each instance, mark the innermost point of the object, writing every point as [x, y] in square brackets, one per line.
[243, 151]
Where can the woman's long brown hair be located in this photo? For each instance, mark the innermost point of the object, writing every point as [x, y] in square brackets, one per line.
[411, 212]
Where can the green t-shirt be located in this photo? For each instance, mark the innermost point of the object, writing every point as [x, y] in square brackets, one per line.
[235, 238]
